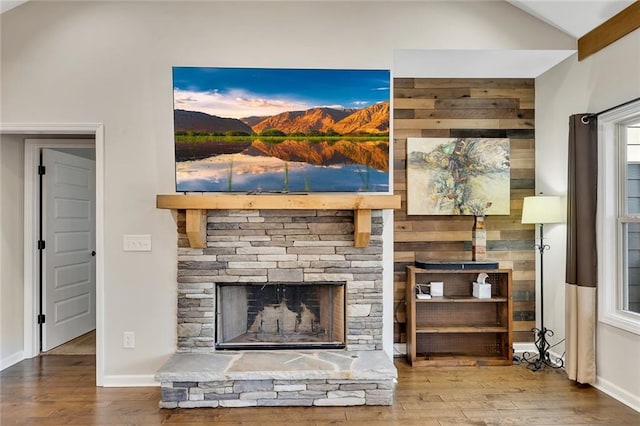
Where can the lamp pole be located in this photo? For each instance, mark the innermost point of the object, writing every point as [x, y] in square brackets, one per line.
[541, 248]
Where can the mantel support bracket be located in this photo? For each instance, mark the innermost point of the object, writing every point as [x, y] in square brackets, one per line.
[197, 228]
[362, 227]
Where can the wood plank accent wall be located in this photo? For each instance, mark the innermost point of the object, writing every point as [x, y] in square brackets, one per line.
[484, 108]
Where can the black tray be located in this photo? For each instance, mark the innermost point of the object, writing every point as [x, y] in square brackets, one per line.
[455, 265]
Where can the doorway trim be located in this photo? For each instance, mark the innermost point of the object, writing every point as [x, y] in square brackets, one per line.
[95, 131]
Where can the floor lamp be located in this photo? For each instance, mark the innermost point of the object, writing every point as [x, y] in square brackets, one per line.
[542, 209]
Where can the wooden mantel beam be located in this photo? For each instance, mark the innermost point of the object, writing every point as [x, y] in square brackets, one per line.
[277, 202]
[615, 28]
[196, 207]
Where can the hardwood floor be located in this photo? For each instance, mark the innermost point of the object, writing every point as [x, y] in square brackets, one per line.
[83, 345]
[60, 390]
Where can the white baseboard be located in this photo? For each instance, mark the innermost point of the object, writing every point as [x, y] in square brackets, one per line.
[399, 350]
[11, 360]
[617, 393]
[129, 381]
[519, 348]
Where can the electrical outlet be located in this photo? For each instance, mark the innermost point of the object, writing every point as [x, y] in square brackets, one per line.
[129, 340]
[136, 242]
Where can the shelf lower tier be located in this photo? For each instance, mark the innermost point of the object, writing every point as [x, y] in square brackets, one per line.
[459, 360]
[486, 348]
[461, 329]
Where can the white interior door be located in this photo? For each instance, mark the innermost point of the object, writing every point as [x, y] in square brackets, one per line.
[68, 222]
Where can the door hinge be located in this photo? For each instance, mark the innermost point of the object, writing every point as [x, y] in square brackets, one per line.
[42, 170]
[41, 244]
[41, 319]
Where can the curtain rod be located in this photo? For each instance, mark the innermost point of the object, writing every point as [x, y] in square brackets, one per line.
[585, 119]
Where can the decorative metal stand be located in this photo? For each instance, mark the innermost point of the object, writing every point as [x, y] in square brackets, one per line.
[536, 361]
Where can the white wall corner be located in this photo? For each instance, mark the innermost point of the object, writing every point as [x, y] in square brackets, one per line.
[387, 282]
[11, 360]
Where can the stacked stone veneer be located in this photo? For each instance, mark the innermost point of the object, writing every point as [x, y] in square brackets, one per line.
[276, 246]
[270, 393]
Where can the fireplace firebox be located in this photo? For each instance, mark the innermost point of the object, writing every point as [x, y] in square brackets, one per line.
[280, 315]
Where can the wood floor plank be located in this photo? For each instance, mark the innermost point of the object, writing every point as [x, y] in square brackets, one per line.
[60, 390]
[83, 345]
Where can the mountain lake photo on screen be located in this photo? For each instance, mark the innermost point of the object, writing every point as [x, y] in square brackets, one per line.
[258, 130]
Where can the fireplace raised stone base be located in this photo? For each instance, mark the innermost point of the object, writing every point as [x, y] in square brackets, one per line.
[277, 378]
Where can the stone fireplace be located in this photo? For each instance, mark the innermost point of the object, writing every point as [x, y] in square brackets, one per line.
[291, 285]
[271, 247]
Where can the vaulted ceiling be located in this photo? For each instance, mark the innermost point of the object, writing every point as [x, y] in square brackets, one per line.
[574, 17]
[6, 5]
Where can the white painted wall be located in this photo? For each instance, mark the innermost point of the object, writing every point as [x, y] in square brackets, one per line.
[11, 249]
[603, 80]
[110, 62]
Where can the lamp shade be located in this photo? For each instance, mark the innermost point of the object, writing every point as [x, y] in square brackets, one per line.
[542, 209]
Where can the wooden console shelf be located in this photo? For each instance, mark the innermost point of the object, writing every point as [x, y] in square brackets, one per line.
[457, 329]
[196, 207]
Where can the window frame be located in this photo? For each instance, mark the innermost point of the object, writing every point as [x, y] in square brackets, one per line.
[612, 217]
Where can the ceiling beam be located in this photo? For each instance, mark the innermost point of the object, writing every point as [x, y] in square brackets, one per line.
[610, 31]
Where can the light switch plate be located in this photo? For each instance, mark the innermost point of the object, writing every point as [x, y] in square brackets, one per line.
[136, 242]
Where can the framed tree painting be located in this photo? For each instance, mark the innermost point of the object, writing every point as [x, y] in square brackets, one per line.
[458, 176]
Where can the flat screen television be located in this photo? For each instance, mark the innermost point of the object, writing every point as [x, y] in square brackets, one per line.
[271, 130]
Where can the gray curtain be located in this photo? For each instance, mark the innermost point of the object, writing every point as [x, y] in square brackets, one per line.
[581, 274]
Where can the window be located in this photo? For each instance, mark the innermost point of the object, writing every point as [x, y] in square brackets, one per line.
[619, 217]
[630, 218]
